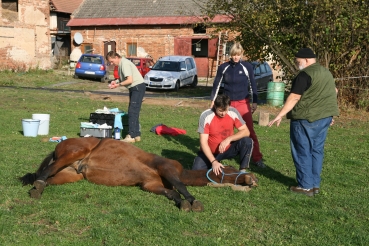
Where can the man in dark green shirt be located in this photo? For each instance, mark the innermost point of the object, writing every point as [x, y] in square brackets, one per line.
[311, 105]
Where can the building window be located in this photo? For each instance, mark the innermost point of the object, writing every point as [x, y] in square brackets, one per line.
[199, 29]
[62, 25]
[9, 10]
[200, 47]
[229, 45]
[131, 49]
[87, 48]
[11, 5]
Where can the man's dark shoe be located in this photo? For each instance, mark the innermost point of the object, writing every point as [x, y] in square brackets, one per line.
[260, 164]
[316, 191]
[299, 190]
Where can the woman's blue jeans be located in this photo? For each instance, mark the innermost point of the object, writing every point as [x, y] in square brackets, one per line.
[307, 148]
[136, 95]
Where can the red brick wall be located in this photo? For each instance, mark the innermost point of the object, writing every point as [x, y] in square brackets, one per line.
[155, 42]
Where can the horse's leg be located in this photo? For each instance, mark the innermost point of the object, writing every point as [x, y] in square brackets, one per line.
[171, 172]
[67, 152]
[67, 175]
[158, 188]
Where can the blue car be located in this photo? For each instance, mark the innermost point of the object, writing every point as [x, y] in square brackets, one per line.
[91, 66]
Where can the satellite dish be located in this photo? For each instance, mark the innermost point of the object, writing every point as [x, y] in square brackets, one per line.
[78, 38]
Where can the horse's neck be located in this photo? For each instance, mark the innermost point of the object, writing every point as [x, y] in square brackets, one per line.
[194, 177]
[200, 178]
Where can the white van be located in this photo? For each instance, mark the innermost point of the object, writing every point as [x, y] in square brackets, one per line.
[172, 72]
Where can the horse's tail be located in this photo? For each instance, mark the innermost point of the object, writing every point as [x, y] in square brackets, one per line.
[29, 178]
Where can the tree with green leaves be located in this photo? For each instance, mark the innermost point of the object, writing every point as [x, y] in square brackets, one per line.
[337, 30]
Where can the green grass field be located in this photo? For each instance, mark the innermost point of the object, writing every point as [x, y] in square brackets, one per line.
[83, 213]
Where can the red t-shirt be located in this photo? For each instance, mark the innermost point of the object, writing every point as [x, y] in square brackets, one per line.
[219, 128]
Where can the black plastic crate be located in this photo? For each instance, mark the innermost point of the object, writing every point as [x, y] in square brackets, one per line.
[102, 119]
[109, 119]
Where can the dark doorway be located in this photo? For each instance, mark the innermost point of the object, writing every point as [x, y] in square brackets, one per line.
[200, 47]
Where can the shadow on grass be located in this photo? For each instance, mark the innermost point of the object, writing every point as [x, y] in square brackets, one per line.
[186, 159]
[273, 174]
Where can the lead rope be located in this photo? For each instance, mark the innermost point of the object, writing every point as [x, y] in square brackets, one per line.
[223, 174]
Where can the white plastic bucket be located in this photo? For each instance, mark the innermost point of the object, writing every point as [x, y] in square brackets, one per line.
[30, 127]
[44, 123]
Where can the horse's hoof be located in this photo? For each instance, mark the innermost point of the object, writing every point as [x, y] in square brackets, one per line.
[185, 206]
[197, 206]
[241, 188]
[34, 193]
[39, 185]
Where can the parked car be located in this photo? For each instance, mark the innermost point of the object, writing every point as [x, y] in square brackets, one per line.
[172, 72]
[143, 65]
[263, 75]
[91, 66]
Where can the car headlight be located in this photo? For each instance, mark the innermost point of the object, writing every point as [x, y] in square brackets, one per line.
[168, 79]
[146, 78]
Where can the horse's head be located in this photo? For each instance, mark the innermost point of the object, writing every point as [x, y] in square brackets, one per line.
[247, 179]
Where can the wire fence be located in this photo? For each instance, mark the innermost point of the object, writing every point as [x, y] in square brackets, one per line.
[353, 92]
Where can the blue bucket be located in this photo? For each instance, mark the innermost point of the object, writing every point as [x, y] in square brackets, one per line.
[30, 127]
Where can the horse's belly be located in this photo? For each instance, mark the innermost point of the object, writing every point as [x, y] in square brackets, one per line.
[112, 177]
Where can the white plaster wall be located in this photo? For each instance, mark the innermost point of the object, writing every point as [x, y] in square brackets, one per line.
[22, 45]
[53, 21]
[33, 16]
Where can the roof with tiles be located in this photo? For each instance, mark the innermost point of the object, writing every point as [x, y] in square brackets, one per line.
[135, 8]
[64, 6]
[136, 12]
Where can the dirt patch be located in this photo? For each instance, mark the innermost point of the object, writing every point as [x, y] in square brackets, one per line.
[174, 102]
[345, 116]
[195, 103]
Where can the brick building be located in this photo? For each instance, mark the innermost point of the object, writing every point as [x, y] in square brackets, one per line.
[147, 28]
[24, 34]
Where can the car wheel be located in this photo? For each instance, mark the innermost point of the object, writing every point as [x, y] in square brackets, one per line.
[103, 80]
[194, 82]
[176, 87]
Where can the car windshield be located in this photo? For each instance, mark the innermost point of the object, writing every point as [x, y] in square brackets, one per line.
[91, 59]
[135, 61]
[166, 66]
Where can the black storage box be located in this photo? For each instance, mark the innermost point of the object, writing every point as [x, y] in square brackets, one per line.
[102, 119]
[108, 119]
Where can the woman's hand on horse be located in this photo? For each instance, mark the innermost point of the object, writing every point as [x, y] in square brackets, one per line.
[217, 167]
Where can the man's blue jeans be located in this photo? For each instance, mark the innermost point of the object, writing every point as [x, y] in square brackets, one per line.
[242, 147]
[136, 95]
[307, 148]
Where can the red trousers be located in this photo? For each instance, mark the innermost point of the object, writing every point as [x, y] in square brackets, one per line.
[243, 107]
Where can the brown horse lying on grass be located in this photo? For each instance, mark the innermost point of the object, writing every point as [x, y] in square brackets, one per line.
[113, 163]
